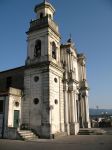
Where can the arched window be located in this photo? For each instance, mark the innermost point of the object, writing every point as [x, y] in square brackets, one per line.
[37, 50]
[53, 50]
[41, 15]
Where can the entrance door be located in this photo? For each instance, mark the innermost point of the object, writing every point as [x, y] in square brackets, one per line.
[16, 118]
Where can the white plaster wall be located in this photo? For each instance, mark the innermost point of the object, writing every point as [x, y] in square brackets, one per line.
[36, 92]
[40, 11]
[12, 107]
[49, 12]
[45, 11]
[56, 92]
[34, 114]
[32, 90]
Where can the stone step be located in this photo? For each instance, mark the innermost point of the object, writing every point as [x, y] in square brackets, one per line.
[25, 131]
[91, 132]
[27, 135]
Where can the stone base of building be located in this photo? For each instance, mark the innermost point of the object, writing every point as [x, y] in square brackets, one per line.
[45, 131]
[60, 134]
[74, 128]
[11, 133]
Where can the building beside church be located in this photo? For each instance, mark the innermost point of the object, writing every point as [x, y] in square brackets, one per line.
[49, 95]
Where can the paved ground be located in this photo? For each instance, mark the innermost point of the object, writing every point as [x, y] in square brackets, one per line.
[79, 142]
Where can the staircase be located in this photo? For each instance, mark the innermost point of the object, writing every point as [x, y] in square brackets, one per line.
[91, 131]
[27, 135]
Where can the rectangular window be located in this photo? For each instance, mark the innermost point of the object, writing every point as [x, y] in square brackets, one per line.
[1, 106]
[8, 82]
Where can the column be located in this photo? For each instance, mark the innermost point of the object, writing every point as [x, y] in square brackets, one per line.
[66, 113]
[73, 106]
[74, 126]
[87, 120]
[82, 113]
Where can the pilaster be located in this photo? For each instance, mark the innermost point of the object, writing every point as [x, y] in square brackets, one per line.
[87, 120]
[74, 125]
[66, 113]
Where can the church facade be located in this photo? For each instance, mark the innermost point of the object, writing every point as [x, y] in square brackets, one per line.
[49, 95]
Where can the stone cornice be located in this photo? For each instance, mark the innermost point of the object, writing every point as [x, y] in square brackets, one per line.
[44, 64]
[56, 66]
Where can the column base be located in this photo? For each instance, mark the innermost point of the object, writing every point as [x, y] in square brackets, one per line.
[74, 128]
[87, 125]
[62, 127]
[67, 128]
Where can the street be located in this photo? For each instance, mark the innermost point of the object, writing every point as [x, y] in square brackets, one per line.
[79, 142]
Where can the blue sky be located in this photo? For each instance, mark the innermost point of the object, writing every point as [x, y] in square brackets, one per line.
[89, 22]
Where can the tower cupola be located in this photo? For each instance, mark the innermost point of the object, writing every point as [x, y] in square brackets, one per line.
[44, 9]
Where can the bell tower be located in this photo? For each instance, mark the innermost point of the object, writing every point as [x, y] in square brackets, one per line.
[43, 103]
[43, 36]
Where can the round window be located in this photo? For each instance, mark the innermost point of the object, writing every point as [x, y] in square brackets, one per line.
[56, 101]
[55, 79]
[16, 104]
[36, 78]
[36, 101]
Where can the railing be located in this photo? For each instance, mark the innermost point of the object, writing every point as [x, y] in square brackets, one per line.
[38, 22]
[43, 21]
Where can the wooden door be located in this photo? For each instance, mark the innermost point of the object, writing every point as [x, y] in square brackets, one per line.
[16, 118]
